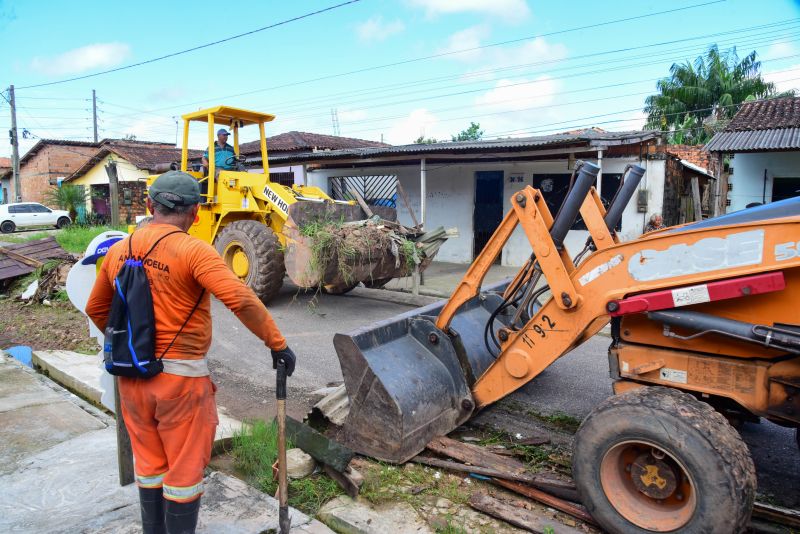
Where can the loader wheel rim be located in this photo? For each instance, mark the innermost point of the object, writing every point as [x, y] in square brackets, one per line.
[236, 258]
[648, 486]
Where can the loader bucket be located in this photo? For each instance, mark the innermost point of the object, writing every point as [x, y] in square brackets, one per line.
[408, 381]
[359, 250]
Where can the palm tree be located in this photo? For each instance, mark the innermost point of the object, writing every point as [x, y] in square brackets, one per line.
[699, 98]
[68, 197]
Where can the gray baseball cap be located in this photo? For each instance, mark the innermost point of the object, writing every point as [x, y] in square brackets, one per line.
[175, 188]
[223, 131]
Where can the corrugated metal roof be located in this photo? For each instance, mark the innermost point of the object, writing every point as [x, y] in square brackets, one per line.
[755, 141]
[696, 168]
[592, 137]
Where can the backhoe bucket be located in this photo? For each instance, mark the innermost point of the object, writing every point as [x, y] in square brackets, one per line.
[408, 381]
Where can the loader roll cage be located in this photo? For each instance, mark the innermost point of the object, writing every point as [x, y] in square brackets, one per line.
[233, 118]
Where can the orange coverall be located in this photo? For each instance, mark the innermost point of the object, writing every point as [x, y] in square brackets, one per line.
[172, 419]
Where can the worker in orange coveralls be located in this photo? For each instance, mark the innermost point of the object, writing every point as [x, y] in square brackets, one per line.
[172, 417]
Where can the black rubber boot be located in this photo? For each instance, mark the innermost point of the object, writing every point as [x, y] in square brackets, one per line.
[151, 501]
[182, 516]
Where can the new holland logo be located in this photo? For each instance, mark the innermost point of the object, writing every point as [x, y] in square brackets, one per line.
[277, 201]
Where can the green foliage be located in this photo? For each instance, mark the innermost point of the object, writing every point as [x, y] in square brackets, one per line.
[699, 98]
[422, 140]
[472, 133]
[73, 239]
[255, 450]
[67, 197]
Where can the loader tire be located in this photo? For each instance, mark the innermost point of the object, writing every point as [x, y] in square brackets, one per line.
[376, 283]
[252, 251]
[658, 460]
[333, 290]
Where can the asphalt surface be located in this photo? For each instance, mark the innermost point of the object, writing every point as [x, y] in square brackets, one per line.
[242, 366]
[574, 385]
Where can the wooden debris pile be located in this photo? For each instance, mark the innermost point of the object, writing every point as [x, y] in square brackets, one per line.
[21, 259]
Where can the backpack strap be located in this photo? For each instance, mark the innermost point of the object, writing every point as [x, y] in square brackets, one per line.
[130, 243]
[196, 305]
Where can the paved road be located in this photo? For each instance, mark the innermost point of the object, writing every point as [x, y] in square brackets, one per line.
[242, 366]
[574, 384]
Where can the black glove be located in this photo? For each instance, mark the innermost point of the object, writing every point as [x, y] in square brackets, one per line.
[288, 357]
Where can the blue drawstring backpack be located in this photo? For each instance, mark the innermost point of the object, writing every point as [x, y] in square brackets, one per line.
[130, 333]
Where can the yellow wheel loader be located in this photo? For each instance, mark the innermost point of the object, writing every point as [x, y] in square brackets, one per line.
[704, 325]
[257, 225]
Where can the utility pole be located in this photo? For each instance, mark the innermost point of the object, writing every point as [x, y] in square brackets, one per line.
[94, 113]
[14, 145]
[335, 120]
[113, 191]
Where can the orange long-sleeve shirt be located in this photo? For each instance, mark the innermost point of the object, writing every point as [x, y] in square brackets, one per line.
[178, 269]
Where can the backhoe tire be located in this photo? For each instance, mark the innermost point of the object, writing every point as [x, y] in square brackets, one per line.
[658, 460]
[252, 251]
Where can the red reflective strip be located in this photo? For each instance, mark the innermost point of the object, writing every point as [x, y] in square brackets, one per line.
[688, 295]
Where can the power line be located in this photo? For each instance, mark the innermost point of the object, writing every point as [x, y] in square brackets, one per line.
[444, 54]
[304, 102]
[199, 47]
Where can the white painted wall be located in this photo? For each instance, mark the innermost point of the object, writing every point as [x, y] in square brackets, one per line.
[451, 200]
[748, 176]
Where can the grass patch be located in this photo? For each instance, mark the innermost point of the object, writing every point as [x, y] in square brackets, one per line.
[411, 483]
[73, 238]
[559, 420]
[255, 449]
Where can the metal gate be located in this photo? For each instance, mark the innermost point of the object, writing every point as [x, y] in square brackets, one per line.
[379, 190]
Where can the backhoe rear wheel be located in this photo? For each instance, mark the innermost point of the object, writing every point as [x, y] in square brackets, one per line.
[658, 460]
[252, 251]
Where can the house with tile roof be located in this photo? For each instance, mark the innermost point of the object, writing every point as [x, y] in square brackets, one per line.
[468, 184]
[41, 167]
[134, 162]
[298, 143]
[5, 182]
[761, 151]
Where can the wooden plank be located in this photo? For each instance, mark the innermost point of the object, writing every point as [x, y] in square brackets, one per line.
[21, 257]
[562, 505]
[124, 450]
[407, 203]
[362, 203]
[777, 514]
[697, 204]
[350, 480]
[475, 455]
[320, 448]
[516, 514]
[560, 488]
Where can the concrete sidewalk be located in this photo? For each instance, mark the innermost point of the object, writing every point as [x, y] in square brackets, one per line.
[441, 278]
[58, 470]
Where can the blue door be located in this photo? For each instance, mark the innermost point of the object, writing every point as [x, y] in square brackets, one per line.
[488, 208]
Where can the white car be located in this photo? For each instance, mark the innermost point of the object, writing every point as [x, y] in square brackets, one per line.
[30, 215]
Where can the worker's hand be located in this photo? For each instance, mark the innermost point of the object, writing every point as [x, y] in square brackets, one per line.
[288, 357]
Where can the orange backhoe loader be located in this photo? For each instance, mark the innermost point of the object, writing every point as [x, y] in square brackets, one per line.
[705, 327]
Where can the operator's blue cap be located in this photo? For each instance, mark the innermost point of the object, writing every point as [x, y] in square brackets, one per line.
[223, 131]
[100, 251]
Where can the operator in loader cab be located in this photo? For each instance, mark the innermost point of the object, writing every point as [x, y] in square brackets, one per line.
[222, 152]
[172, 416]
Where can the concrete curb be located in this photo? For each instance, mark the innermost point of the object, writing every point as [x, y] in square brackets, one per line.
[80, 374]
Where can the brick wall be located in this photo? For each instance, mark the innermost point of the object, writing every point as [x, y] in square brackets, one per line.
[692, 153]
[132, 205]
[40, 172]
